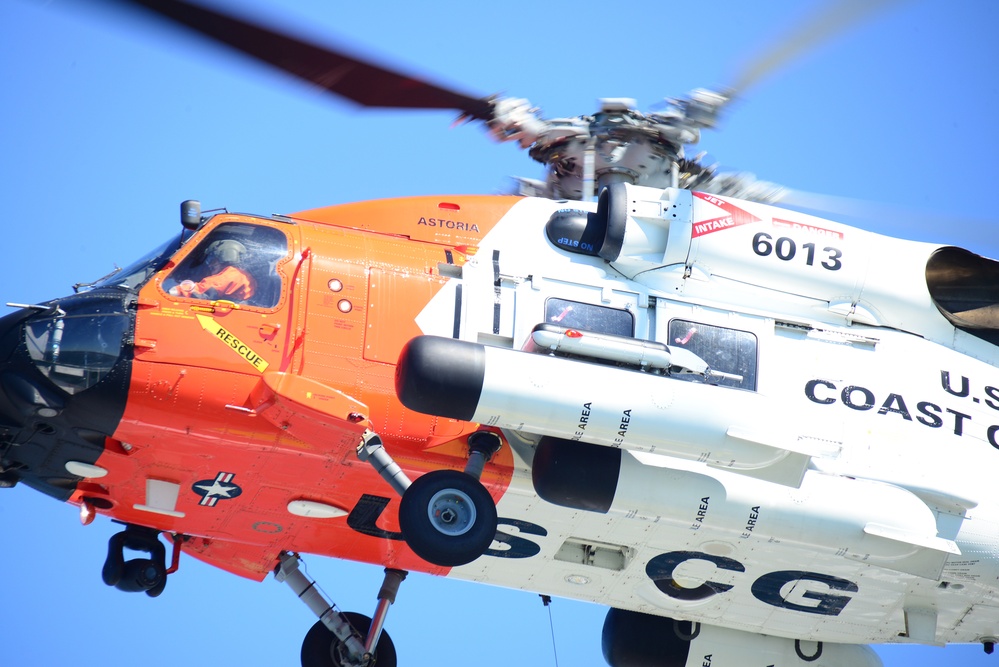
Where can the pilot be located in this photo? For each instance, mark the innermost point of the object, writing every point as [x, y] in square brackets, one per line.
[226, 279]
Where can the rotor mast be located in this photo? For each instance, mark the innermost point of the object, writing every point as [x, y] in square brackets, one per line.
[619, 144]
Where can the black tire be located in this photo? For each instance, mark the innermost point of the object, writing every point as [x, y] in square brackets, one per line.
[321, 647]
[448, 518]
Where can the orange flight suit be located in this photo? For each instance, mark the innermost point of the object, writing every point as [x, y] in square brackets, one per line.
[230, 283]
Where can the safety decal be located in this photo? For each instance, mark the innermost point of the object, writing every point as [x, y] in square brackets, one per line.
[213, 490]
[734, 217]
[808, 229]
[233, 342]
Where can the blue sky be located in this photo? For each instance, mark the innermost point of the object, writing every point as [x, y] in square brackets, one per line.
[109, 122]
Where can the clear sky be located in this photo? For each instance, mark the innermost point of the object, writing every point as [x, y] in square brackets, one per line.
[107, 123]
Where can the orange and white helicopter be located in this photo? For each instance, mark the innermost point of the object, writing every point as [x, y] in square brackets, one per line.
[755, 434]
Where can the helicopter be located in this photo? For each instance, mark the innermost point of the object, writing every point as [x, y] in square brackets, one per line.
[404, 588]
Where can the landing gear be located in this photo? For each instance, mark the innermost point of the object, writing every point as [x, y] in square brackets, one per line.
[321, 647]
[448, 518]
[146, 575]
[342, 639]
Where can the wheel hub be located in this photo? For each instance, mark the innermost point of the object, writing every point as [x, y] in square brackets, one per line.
[451, 512]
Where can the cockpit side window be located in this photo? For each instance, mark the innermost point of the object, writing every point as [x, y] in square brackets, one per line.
[965, 288]
[236, 262]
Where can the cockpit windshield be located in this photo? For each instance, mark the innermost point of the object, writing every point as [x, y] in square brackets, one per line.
[137, 273]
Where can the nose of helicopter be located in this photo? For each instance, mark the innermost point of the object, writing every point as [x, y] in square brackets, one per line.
[64, 373]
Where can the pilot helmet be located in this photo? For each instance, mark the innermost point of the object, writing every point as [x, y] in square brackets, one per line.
[225, 252]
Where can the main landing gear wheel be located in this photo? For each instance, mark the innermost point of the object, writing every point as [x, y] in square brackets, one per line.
[448, 518]
[321, 647]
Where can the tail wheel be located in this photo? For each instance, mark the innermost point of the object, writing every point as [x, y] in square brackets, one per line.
[321, 647]
[448, 518]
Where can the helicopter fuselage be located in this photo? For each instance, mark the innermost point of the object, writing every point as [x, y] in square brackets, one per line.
[709, 409]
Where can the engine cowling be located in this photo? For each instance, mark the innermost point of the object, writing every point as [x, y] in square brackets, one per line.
[876, 523]
[633, 639]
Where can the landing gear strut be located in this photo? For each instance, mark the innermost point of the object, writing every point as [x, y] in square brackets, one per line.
[322, 648]
[146, 575]
[447, 517]
[342, 639]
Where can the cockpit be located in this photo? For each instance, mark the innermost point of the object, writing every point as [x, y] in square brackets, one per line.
[232, 253]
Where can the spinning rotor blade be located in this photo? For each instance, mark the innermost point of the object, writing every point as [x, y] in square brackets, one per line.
[836, 18]
[362, 82]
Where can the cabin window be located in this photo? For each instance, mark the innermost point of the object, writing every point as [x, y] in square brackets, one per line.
[236, 262]
[586, 316]
[725, 350]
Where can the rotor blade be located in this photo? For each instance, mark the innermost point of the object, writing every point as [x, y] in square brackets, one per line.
[836, 18]
[893, 219]
[340, 73]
